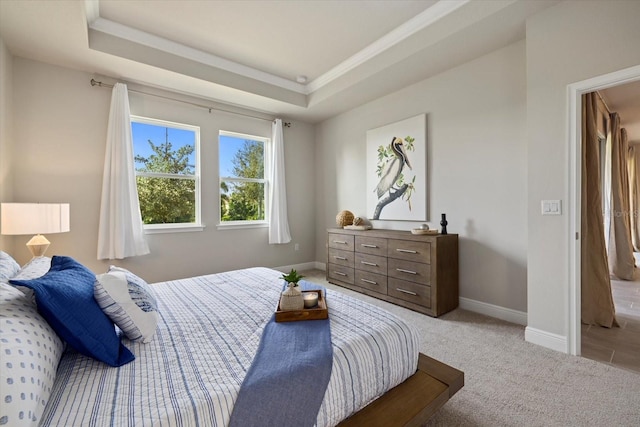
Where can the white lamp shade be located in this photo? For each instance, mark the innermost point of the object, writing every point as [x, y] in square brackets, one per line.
[34, 218]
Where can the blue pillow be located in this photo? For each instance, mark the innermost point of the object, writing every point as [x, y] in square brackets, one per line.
[65, 299]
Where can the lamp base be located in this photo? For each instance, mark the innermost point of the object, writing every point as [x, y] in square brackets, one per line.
[38, 245]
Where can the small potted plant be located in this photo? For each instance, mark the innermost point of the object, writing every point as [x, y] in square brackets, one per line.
[292, 277]
[291, 298]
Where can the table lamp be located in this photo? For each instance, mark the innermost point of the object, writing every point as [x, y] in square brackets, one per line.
[34, 218]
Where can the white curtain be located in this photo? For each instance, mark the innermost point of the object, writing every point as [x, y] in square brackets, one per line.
[278, 220]
[121, 233]
[607, 201]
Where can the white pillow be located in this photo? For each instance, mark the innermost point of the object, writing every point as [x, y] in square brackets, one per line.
[37, 267]
[31, 352]
[8, 267]
[128, 301]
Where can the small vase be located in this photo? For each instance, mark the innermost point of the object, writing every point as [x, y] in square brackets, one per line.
[444, 223]
[291, 299]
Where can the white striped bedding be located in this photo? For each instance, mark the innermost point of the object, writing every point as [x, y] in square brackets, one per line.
[209, 330]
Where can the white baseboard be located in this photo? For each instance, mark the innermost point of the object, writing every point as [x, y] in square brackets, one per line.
[507, 314]
[546, 339]
[300, 267]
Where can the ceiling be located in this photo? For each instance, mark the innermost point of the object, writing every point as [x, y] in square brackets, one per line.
[250, 53]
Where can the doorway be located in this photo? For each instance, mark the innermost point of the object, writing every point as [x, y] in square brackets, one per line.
[575, 328]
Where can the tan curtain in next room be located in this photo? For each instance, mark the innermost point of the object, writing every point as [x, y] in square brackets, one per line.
[634, 192]
[621, 260]
[597, 301]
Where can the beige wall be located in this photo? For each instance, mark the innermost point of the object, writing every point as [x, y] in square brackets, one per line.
[476, 121]
[568, 43]
[60, 124]
[6, 126]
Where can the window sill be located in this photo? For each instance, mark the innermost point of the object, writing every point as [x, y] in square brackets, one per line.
[240, 225]
[161, 229]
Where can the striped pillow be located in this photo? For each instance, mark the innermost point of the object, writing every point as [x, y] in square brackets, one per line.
[129, 302]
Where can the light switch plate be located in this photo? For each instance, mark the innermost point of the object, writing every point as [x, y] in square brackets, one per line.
[551, 207]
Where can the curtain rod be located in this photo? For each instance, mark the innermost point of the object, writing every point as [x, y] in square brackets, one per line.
[95, 82]
[603, 101]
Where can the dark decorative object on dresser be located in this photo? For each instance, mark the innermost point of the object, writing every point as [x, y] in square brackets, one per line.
[444, 223]
[419, 272]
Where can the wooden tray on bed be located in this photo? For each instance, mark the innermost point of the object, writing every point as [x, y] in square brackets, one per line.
[414, 401]
[320, 311]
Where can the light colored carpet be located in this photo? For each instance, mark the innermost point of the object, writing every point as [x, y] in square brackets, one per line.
[509, 382]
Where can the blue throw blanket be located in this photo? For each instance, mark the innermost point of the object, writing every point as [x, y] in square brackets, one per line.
[287, 380]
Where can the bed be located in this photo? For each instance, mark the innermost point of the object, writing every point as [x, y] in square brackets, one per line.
[208, 330]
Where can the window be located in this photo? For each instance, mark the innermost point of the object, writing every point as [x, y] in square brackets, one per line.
[243, 185]
[167, 173]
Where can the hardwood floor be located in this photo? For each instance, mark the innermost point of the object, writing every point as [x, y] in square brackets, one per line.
[618, 346]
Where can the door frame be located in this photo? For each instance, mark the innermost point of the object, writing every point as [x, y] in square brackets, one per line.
[574, 94]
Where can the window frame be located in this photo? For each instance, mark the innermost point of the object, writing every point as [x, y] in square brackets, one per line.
[262, 223]
[196, 177]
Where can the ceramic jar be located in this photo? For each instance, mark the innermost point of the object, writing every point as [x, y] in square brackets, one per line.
[291, 299]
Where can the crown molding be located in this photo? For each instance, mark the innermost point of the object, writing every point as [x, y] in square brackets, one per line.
[146, 39]
[91, 10]
[415, 24]
[404, 31]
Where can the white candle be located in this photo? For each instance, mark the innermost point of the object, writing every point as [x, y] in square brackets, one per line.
[310, 299]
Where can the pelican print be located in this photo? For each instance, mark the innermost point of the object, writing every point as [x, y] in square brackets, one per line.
[393, 169]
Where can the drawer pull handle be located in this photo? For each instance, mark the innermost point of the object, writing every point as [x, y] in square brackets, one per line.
[402, 270]
[364, 245]
[339, 273]
[407, 251]
[340, 257]
[342, 242]
[369, 281]
[406, 292]
[369, 263]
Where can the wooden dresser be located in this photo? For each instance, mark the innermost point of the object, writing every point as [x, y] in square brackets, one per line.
[419, 272]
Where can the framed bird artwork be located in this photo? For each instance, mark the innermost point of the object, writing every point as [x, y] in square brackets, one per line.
[397, 170]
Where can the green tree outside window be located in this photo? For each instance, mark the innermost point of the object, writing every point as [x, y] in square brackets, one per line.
[242, 193]
[165, 175]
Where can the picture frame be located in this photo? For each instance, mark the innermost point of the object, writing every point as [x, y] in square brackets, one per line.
[397, 170]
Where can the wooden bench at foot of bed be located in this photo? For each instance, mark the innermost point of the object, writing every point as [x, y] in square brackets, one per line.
[414, 401]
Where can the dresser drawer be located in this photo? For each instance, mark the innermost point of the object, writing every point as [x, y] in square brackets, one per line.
[343, 274]
[341, 241]
[371, 245]
[407, 270]
[419, 272]
[343, 258]
[371, 281]
[409, 250]
[409, 291]
[371, 263]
